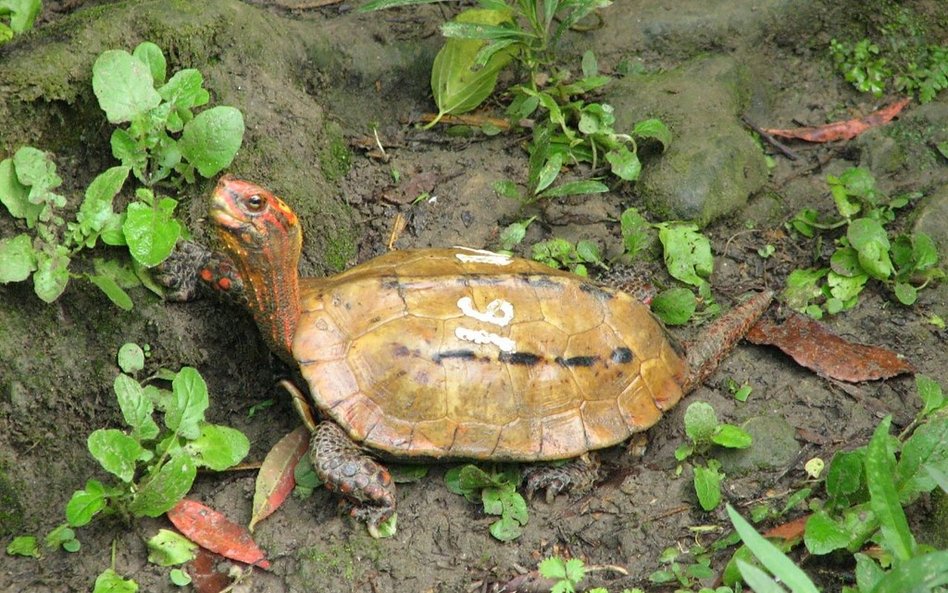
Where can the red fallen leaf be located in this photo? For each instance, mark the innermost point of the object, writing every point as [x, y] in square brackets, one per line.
[275, 480]
[788, 532]
[815, 347]
[203, 575]
[212, 530]
[843, 130]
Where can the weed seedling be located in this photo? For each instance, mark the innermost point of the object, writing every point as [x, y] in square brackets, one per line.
[17, 17]
[497, 491]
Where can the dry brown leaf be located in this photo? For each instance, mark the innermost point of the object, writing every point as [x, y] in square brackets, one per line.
[843, 130]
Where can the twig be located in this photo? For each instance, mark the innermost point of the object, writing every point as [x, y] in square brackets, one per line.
[771, 140]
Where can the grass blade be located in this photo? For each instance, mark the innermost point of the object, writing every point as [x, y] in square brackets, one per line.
[758, 580]
[883, 497]
[772, 558]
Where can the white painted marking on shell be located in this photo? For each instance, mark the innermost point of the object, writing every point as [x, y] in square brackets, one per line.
[479, 336]
[498, 312]
[482, 256]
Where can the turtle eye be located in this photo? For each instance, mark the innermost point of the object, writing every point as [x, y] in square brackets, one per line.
[255, 203]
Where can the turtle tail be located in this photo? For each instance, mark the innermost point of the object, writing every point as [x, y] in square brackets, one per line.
[714, 343]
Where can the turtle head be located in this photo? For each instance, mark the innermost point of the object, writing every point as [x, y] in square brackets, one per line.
[262, 236]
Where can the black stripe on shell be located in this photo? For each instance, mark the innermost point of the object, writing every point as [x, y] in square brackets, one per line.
[524, 358]
[621, 355]
[577, 361]
[462, 354]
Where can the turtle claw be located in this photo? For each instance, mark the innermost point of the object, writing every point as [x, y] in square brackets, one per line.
[576, 475]
[192, 270]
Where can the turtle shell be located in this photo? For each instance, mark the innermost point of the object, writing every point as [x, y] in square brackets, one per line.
[458, 353]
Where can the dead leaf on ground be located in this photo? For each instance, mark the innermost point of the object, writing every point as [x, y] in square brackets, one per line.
[214, 531]
[204, 575]
[815, 347]
[843, 130]
[791, 531]
[275, 480]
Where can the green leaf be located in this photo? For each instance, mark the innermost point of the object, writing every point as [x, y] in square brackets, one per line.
[179, 577]
[96, 208]
[60, 536]
[868, 573]
[210, 141]
[382, 4]
[457, 84]
[150, 55]
[553, 568]
[772, 558]
[730, 436]
[15, 196]
[111, 582]
[151, 231]
[505, 529]
[758, 580]
[655, 129]
[574, 188]
[700, 422]
[131, 358]
[924, 251]
[170, 548]
[22, 13]
[635, 231]
[162, 491]
[687, 253]
[124, 86]
[24, 545]
[84, 504]
[51, 275]
[508, 189]
[17, 260]
[116, 293]
[218, 447]
[589, 63]
[187, 407]
[185, 89]
[927, 447]
[514, 233]
[883, 497]
[868, 237]
[919, 574]
[549, 172]
[625, 163]
[136, 408]
[845, 475]
[674, 306]
[823, 534]
[115, 451]
[930, 392]
[906, 293]
[802, 286]
[708, 485]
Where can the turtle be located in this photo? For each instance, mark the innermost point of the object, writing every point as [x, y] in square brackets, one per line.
[448, 353]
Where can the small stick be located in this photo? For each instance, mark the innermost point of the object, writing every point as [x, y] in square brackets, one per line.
[783, 148]
[470, 120]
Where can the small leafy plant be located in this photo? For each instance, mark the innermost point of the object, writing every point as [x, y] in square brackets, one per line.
[497, 491]
[905, 263]
[909, 68]
[17, 16]
[704, 430]
[148, 149]
[684, 569]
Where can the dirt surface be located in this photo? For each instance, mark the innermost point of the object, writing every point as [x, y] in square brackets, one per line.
[314, 85]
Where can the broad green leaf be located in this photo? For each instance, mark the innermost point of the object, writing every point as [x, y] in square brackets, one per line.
[700, 422]
[625, 163]
[17, 259]
[883, 497]
[170, 548]
[160, 493]
[185, 89]
[924, 251]
[728, 435]
[802, 286]
[131, 359]
[687, 253]
[771, 557]
[653, 128]
[152, 56]
[505, 530]
[51, 275]
[708, 485]
[96, 208]
[549, 172]
[24, 545]
[930, 392]
[210, 141]
[127, 151]
[674, 306]
[575, 188]
[823, 534]
[124, 86]
[218, 447]
[906, 293]
[136, 407]
[116, 293]
[758, 580]
[589, 63]
[916, 575]
[115, 451]
[187, 407]
[179, 577]
[868, 573]
[457, 83]
[927, 447]
[513, 234]
[151, 231]
[111, 582]
[85, 503]
[22, 13]
[15, 196]
[35, 169]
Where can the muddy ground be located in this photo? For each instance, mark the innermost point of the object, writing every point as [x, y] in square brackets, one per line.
[313, 83]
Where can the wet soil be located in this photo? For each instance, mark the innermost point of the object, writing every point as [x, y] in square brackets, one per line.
[317, 87]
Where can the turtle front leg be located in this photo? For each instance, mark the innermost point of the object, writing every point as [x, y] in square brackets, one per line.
[346, 469]
[576, 475]
[193, 270]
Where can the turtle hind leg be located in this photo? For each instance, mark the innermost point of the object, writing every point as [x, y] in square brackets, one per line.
[576, 475]
[346, 469]
[193, 271]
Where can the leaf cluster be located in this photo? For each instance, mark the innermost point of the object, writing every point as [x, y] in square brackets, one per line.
[155, 465]
[17, 16]
[497, 491]
[685, 569]
[705, 431]
[907, 64]
[905, 263]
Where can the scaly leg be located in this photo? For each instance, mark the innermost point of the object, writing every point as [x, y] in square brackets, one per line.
[193, 270]
[576, 475]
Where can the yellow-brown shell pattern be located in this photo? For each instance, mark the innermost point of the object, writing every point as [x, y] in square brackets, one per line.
[457, 353]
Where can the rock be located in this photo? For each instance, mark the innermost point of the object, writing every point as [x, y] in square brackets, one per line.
[713, 164]
[774, 446]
